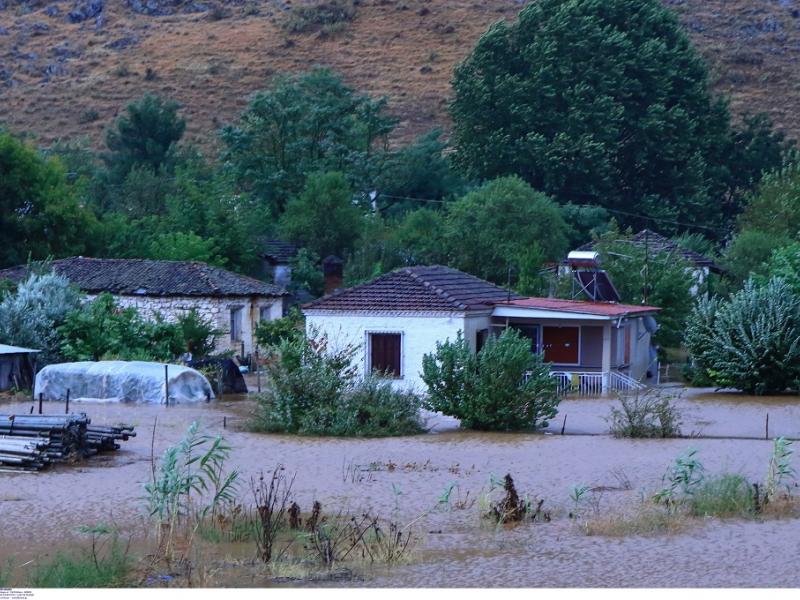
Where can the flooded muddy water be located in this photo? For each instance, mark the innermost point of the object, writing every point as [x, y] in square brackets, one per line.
[404, 478]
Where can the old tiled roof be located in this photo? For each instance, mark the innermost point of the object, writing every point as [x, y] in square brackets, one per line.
[152, 278]
[658, 243]
[279, 251]
[603, 309]
[433, 288]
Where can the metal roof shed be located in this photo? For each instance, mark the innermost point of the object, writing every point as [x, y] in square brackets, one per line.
[16, 367]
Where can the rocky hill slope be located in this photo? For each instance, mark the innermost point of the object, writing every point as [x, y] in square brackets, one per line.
[67, 67]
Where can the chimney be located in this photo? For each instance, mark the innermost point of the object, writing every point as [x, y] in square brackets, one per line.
[332, 268]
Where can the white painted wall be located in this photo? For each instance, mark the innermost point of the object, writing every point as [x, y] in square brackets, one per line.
[217, 310]
[420, 334]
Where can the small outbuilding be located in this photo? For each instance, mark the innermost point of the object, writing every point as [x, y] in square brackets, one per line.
[17, 367]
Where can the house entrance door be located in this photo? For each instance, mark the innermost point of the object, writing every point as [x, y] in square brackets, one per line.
[561, 345]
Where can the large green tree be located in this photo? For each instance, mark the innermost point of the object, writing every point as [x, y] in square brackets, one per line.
[323, 218]
[494, 228]
[770, 220]
[40, 213]
[603, 102]
[146, 135]
[302, 124]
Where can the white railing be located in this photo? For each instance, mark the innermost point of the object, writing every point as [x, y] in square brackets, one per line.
[585, 383]
[591, 383]
[619, 382]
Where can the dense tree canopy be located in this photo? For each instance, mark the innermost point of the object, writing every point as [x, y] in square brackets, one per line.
[145, 136]
[302, 124]
[491, 229]
[770, 220]
[40, 213]
[641, 276]
[323, 218]
[603, 102]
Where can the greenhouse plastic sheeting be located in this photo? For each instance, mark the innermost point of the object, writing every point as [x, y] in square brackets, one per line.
[122, 381]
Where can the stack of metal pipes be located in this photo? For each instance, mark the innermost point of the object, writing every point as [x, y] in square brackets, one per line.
[31, 442]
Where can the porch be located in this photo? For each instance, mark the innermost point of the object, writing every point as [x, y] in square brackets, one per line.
[589, 354]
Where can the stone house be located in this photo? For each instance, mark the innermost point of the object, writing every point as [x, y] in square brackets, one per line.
[592, 347]
[233, 303]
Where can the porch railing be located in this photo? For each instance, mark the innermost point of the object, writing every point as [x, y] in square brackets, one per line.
[619, 382]
[586, 383]
[590, 383]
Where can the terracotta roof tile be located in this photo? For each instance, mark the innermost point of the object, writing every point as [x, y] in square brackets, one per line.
[431, 288]
[152, 278]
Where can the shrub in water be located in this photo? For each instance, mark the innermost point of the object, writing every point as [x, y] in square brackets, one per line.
[313, 389]
[504, 387]
[644, 415]
[750, 341]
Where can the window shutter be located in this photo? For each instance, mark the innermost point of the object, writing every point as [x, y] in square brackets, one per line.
[385, 353]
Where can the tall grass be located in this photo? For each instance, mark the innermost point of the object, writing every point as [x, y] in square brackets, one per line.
[725, 495]
[84, 570]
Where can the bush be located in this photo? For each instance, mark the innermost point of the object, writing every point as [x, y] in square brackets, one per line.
[101, 330]
[645, 415]
[504, 387]
[370, 408]
[30, 316]
[198, 334]
[750, 341]
[319, 14]
[313, 390]
[270, 334]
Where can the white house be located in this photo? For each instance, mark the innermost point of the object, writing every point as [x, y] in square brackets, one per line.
[232, 302]
[398, 317]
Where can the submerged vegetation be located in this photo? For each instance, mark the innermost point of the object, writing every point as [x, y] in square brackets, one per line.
[690, 492]
[313, 389]
[504, 387]
[645, 414]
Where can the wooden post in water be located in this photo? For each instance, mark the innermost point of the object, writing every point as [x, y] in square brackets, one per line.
[564, 424]
[166, 385]
[224, 422]
[66, 410]
[41, 396]
[766, 428]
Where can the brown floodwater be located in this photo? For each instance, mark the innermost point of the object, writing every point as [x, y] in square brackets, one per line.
[41, 512]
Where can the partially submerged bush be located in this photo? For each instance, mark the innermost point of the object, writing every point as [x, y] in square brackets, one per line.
[504, 387]
[750, 341]
[647, 414]
[726, 495]
[313, 389]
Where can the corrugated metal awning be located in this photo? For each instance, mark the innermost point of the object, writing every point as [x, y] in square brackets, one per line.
[4, 349]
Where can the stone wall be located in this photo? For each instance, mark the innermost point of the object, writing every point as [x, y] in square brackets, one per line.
[216, 310]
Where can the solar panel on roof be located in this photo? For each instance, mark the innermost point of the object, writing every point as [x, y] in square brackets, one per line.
[597, 286]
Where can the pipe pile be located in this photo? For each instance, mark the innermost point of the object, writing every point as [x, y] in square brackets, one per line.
[31, 442]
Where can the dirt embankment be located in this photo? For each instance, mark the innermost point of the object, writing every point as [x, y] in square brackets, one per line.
[60, 79]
